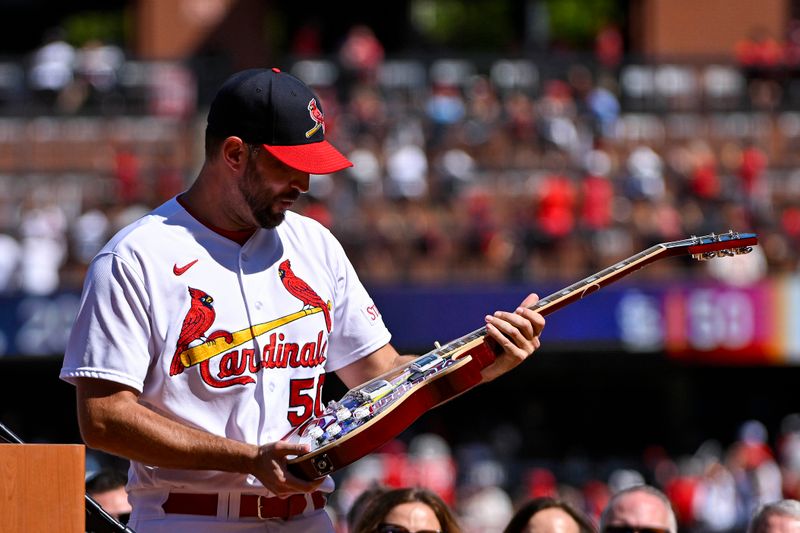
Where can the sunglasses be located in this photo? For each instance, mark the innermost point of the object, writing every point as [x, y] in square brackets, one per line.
[394, 528]
[635, 529]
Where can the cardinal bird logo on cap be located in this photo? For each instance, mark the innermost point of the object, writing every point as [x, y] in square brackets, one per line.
[316, 116]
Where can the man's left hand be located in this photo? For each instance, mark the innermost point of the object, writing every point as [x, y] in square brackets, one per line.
[517, 334]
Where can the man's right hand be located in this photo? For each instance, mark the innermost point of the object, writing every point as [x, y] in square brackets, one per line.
[271, 469]
[111, 419]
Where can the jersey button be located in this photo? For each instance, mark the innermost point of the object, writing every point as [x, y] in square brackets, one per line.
[259, 305]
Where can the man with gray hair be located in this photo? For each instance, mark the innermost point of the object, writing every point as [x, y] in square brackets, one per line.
[639, 509]
[778, 517]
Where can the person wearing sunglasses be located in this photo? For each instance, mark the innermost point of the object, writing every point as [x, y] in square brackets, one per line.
[639, 509]
[407, 510]
[549, 515]
[778, 517]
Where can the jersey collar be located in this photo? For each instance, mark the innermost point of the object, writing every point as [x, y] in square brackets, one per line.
[238, 236]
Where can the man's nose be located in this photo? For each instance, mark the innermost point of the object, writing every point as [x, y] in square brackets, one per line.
[301, 182]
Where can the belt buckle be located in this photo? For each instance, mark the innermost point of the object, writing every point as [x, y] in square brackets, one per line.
[260, 507]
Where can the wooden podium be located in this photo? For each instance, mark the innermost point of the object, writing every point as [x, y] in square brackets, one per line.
[42, 488]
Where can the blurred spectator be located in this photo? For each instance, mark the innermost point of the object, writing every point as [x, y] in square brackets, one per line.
[548, 515]
[604, 108]
[791, 52]
[639, 507]
[753, 465]
[704, 181]
[89, 233]
[715, 504]
[788, 450]
[752, 177]
[361, 502]
[107, 488]
[406, 510]
[126, 173]
[759, 53]
[778, 517]
[306, 41]
[645, 178]
[10, 256]
[556, 198]
[44, 247]
[488, 509]
[361, 54]
[608, 46]
[407, 172]
[445, 107]
[97, 67]
[597, 192]
[557, 112]
[51, 68]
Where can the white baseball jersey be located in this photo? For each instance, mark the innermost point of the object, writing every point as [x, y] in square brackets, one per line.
[232, 339]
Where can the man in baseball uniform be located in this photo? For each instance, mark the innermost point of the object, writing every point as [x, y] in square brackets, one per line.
[206, 327]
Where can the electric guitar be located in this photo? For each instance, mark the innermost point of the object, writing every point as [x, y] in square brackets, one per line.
[372, 414]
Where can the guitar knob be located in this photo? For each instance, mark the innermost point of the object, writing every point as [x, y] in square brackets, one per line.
[361, 412]
[314, 432]
[343, 414]
[334, 429]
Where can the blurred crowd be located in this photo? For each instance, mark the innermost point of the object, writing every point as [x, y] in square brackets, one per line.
[465, 175]
[716, 489]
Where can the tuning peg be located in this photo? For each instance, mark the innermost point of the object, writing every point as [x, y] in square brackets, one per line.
[437, 345]
[705, 256]
[727, 252]
[743, 250]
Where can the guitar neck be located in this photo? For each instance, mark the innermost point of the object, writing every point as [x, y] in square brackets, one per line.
[701, 248]
[596, 281]
[574, 292]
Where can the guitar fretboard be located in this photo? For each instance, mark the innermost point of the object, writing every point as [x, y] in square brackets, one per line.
[709, 244]
[567, 294]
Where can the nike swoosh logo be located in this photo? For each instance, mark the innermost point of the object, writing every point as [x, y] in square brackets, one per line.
[179, 271]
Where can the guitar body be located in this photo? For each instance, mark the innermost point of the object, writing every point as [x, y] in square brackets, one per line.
[460, 376]
[372, 414]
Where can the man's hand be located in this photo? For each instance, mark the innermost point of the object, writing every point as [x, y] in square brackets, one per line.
[270, 469]
[516, 333]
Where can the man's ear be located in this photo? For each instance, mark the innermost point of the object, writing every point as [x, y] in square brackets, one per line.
[234, 153]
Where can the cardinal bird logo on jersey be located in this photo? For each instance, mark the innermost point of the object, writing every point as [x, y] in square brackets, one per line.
[317, 117]
[300, 290]
[198, 319]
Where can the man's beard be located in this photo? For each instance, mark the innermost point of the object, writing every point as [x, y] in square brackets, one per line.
[261, 207]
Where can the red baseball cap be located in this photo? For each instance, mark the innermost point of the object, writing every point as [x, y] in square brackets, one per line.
[280, 112]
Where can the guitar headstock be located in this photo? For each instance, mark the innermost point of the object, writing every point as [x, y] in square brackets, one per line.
[715, 245]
